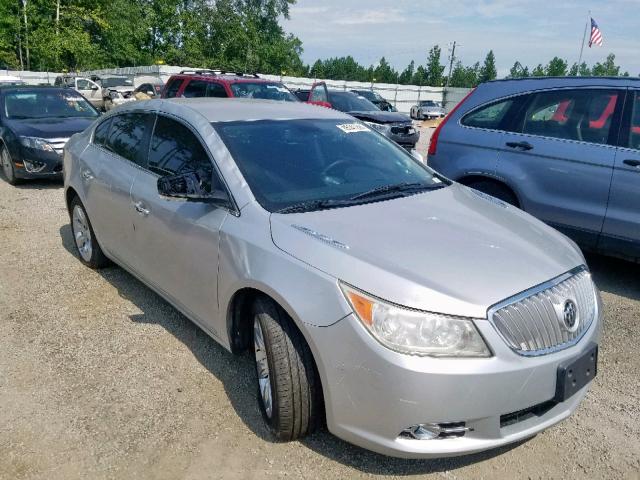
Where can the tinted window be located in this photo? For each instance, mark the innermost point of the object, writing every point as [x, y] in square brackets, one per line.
[195, 88]
[318, 94]
[216, 90]
[634, 127]
[126, 135]
[82, 84]
[583, 115]
[173, 87]
[264, 90]
[175, 149]
[487, 117]
[350, 102]
[101, 132]
[286, 162]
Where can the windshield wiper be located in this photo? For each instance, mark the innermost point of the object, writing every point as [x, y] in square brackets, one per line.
[396, 188]
[310, 205]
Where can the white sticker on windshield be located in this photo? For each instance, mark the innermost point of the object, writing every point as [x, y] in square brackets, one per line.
[352, 127]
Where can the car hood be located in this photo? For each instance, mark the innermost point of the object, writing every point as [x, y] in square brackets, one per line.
[453, 250]
[381, 117]
[56, 127]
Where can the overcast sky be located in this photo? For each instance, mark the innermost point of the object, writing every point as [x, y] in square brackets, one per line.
[529, 31]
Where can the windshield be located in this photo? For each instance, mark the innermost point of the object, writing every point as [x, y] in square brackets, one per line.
[429, 103]
[287, 162]
[350, 102]
[116, 82]
[46, 104]
[268, 91]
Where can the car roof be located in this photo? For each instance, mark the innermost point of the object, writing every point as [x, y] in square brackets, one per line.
[224, 77]
[240, 109]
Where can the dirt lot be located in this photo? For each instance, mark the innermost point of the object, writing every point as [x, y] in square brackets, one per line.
[100, 378]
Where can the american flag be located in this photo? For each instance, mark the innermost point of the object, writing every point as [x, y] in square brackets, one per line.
[596, 34]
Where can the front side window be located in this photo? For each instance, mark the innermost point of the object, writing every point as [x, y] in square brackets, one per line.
[263, 90]
[173, 87]
[490, 116]
[318, 94]
[287, 162]
[37, 103]
[175, 149]
[583, 115]
[101, 132]
[126, 136]
[82, 84]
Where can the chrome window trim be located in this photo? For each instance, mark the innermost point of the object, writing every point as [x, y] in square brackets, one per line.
[533, 291]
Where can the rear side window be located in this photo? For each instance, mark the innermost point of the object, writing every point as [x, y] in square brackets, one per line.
[175, 149]
[101, 132]
[216, 90]
[490, 116]
[173, 87]
[582, 115]
[195, 88]
[126, 135]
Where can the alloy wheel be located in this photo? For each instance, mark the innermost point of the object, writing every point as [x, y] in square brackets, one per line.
[262, 368]
[82, 233]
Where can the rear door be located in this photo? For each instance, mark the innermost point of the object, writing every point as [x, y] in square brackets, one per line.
[621, 231]
[176, 242]
[319, 95]
[559, 157]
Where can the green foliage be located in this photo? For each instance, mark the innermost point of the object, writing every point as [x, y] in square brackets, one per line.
[407, 74]
[488, 70]
[462, 76]
[434, 69]
[384, 73]
[557, 67]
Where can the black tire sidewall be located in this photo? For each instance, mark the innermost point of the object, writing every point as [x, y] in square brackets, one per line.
[12, 180]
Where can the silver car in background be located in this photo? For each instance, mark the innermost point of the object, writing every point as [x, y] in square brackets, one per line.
[427, 110]
[419, 317]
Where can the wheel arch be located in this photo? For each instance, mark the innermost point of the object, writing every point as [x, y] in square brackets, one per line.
[471, 178]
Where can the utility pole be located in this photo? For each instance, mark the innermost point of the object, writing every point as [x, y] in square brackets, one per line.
[584, 36]
[26, 33]
[453, 56]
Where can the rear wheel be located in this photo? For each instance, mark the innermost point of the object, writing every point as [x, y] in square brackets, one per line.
[7, 166]
[496, 190]
[288, 387]
[84, 238]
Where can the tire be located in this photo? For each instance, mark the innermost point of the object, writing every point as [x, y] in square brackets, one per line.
[496, 190]
[289, 393]
[7, 166]
[84, 238]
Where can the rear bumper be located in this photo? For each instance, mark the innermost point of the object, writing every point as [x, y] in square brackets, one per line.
[372, 394]
[406, 141]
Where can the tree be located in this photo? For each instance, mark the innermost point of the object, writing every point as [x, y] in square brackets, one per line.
[434, 70]
[420, 77]
[556, 67]
[407, 74]
[538, 71]
[488, 70]
[606, 69]
[518, 71]
[462, 76]
[384, 73]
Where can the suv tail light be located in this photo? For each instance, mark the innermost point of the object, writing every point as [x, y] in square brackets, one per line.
[433, 143]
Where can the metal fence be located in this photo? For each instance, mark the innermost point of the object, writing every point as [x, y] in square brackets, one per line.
[402, 97]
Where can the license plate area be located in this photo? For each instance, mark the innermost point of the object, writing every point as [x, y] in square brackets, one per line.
[576, 373]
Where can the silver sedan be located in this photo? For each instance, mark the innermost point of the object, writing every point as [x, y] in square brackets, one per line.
[419, 317]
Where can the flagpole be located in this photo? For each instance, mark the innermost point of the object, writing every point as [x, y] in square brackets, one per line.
[584, 36]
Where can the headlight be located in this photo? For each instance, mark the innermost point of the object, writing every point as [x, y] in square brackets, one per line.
[37, 143]
[416, 332]
[383, 129]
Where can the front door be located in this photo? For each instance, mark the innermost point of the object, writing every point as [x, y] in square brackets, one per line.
[91, 91]
[176, 241]
[561, 155]
[319, 95]
[621, 231]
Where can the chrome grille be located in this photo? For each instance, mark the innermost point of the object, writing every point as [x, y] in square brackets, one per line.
[533, 323]
[58, 144]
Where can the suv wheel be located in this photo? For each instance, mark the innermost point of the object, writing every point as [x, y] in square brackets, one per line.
[288, 387]
[7, 166]
[83, 237]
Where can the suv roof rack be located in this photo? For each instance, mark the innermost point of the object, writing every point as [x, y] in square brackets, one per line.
[217, 71]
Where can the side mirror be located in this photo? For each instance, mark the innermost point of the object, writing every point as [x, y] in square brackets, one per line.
[94, 87]
[188, 186]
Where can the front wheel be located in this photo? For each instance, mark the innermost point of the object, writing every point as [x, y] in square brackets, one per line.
[7, 166]
[84, 237]
[289, 391]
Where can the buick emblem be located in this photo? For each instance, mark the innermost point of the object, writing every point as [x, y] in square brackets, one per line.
[570, 315]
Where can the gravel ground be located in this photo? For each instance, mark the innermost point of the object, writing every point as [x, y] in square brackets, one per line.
[100, 378]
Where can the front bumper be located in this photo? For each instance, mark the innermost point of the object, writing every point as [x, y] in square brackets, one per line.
[430, 114]
[372, 394]
[28, 166]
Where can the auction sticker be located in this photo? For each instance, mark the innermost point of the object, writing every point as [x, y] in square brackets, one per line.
[352, 127]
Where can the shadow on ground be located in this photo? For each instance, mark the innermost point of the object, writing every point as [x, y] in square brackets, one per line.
[238, 376]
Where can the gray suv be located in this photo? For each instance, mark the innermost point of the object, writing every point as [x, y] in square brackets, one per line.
[421, 318]
[566, 150]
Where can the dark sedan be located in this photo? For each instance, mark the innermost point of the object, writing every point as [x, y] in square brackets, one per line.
[35, 124]
[396, 126]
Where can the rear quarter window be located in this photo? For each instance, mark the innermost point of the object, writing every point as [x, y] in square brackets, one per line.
[489, 116]
[173, 87]
[101, 132]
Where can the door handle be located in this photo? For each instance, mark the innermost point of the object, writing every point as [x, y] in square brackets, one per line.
[520, 145]
[86, 174]
[141, 209]
[632, 163]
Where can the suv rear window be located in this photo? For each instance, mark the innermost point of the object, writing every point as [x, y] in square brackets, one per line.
[173, 87]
